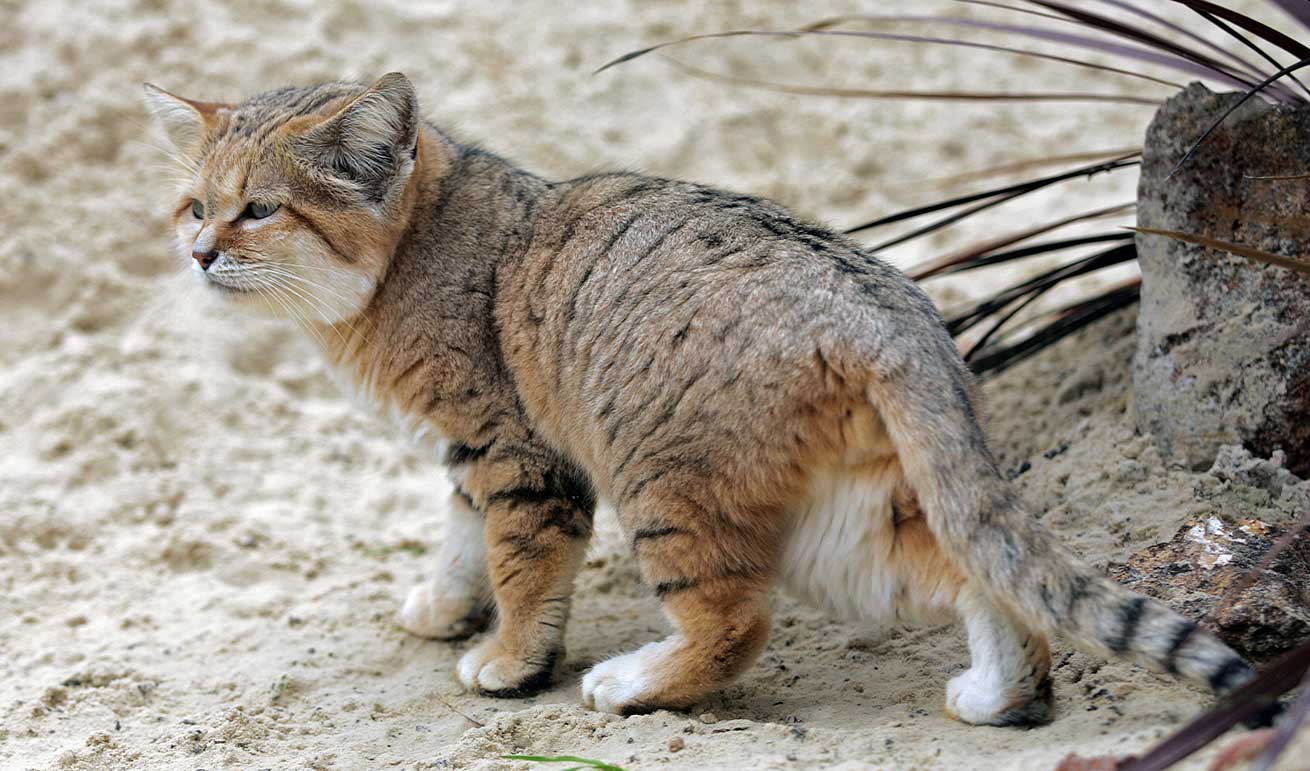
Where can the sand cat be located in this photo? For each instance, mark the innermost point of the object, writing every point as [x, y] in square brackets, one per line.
[761, 400]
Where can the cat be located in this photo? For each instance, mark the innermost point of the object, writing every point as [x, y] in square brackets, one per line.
[762, 401]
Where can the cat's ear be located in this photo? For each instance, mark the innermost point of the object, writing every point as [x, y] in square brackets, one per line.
[373, 138]
[183, 121]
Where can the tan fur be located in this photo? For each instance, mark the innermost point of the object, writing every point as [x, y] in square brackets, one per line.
[760, 399]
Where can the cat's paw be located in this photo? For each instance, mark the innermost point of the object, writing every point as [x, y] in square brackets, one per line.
[429, 612]
[489, 670]
[978, 700]
[627, 684]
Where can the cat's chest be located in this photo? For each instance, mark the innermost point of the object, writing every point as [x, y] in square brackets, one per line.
[370, 394]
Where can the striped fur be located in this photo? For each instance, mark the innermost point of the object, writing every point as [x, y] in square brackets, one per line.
[761, 399]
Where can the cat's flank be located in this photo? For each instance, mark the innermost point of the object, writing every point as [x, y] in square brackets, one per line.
[761, 400]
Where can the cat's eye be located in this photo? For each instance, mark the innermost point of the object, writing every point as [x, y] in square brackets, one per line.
[197, 209]
[259, 210]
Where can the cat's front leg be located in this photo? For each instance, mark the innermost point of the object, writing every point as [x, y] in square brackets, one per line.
[538, 522]
[456, 601]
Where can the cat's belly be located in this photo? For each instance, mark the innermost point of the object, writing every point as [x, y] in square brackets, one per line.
[843, 552]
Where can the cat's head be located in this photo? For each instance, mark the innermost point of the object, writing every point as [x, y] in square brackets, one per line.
[292, 201]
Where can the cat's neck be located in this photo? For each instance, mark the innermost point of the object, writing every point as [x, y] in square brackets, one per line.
[470, 213]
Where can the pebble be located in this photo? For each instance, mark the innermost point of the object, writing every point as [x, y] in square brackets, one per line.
[676, 744]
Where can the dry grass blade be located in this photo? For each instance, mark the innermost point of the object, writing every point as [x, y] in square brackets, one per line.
[1068, 321]
[1130, 32]
[1277, 176]
[640, 52]
[1256, 699]
[992, 197]
[985, 252]
[1297, 718]
[1014, 167]
[964, 321]
[1244, 40]
[824, 28]
[1297, 9]
[945, 95]
[1015, 8]
[1163, 58]
[1133, 8]
[1045, 247]
[1264, 31]
[1258, 255]
[1289, 69]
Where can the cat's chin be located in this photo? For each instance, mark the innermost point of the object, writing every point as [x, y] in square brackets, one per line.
[334, 305]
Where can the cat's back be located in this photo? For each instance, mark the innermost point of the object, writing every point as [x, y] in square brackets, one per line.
[625, 250]
[641, 293]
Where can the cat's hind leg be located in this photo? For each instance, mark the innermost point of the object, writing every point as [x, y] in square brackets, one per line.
[1008, 681]
[714, 589]
[456, 601]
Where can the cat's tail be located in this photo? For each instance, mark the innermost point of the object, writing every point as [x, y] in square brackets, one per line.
[980, 524]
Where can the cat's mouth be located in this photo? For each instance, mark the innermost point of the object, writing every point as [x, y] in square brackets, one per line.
[229, 282]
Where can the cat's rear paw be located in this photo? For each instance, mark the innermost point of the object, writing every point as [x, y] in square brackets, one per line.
[973, 699]
[489, 670]
[625, 685]
[430, 613]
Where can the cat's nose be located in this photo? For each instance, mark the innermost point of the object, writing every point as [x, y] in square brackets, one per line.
[205, 258]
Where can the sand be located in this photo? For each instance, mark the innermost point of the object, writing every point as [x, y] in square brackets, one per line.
[203, 544]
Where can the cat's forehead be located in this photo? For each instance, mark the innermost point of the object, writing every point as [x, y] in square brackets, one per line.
[236, 150]
[267, 111]
[249, 127]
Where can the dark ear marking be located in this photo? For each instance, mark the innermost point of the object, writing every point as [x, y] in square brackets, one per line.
[366, 142]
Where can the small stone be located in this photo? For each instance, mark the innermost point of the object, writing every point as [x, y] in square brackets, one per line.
[709, 718]
[676, 744]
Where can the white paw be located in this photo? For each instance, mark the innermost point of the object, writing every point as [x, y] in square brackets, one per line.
[624, 684]
[972, 697]
[489, 670]
[429, 612]
[476, 668]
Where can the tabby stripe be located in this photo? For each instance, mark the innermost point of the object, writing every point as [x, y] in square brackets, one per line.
[510, 577]
[645, 368]
[1130, 615]
[659, 423]
[521, 496]
[1223, 676]
[398, 379]
[1182, 633]
[640, 484]
[596, 259]
[460, 454]
[719, 257]
[1077, 593]
[317, 231]
[655, 532]
[602, 255]
[632, 278]
[665, 588]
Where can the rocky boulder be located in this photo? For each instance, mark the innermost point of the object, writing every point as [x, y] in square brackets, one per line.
[1223, 352]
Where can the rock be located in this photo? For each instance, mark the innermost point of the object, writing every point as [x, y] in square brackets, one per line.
[1223, 350]
[1206, 562]
[676, 744]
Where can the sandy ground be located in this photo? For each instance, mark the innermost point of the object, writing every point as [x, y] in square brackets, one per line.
[203, 545]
